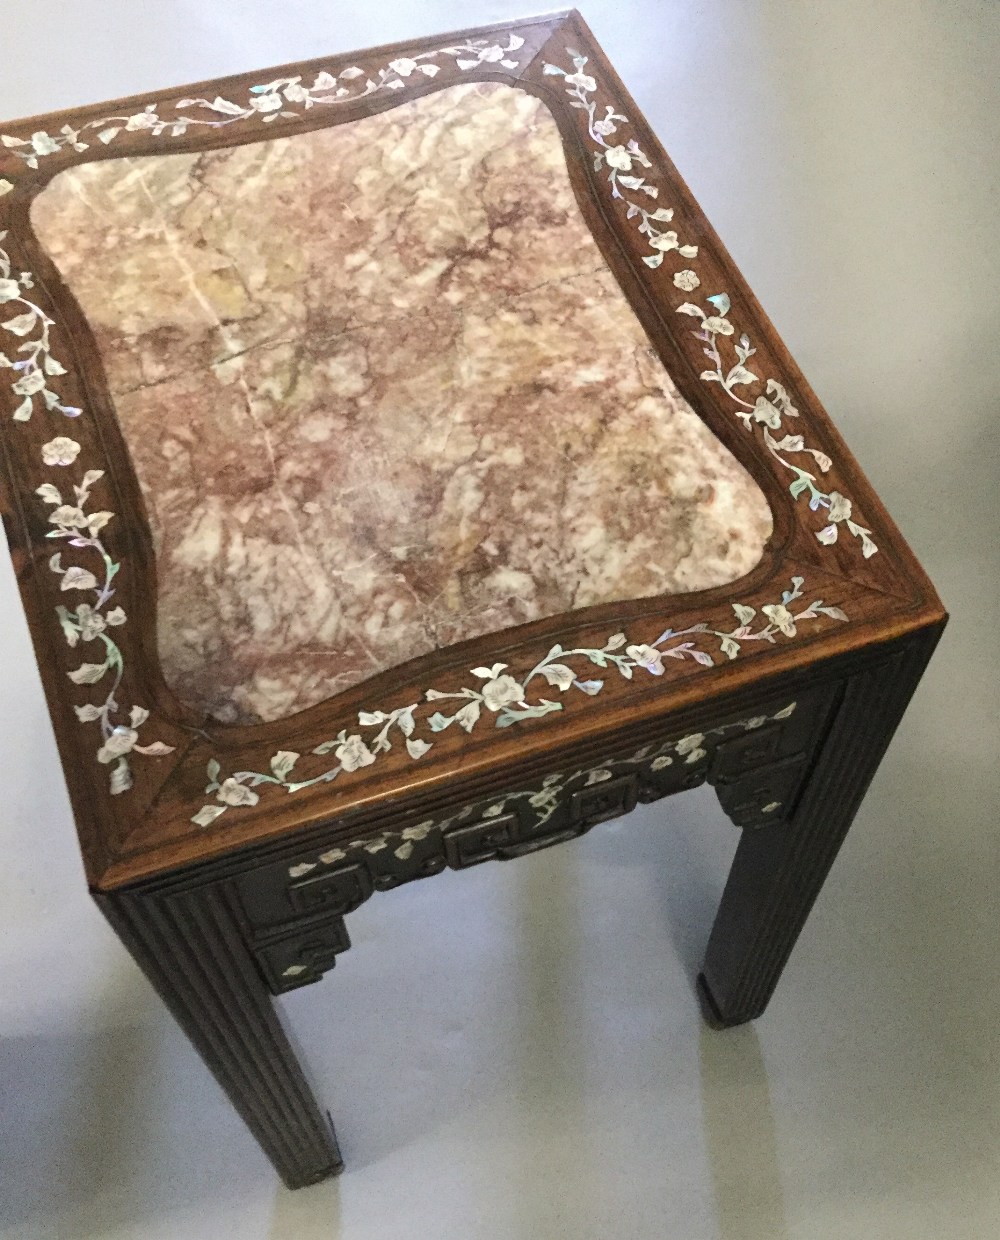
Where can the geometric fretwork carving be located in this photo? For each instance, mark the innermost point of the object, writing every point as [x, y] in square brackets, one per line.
[764, 796]
[303, 956]
[335, 891]
[294, 906]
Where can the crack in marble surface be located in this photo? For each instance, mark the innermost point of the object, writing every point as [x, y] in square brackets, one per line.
[383, 394]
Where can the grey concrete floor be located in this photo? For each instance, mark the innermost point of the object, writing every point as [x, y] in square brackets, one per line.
[515, 1051]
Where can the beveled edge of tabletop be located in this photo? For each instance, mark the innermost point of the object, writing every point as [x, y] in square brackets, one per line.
[819, 590]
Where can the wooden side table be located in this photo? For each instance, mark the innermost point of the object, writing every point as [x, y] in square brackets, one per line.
[399, 475]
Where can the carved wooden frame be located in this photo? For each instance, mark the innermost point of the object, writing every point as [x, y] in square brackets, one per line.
[202, 910]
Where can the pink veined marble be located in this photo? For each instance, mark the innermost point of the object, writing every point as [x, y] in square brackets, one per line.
[383, 394]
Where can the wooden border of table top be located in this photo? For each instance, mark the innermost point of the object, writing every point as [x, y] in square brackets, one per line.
[148, 830]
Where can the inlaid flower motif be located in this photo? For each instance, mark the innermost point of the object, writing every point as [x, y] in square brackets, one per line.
[43, 144]
[583, 81]
[780, 616]
[597, 777]
[767, 413]
[664, 241]
[502, 691]
[353, 754]
[404, 66]
[142, 120]
[659, 763]
[686, 280]
[717, 325]
[490, 55]
[120, 742]
[91, 622]
[840, 507]
[232, 792]
[77, 578]
[266, 103]
[617, 157]
[648, 657]
[605, 127]
[30, 383]
[9, 289]
[67, 516]
[690, 744]
[60, 451]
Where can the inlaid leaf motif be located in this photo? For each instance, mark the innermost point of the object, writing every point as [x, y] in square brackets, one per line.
[590, 687]
[78, 579]
[468, 716]
[157, 749]
[283, 762]
[48, 493]
[208, 814]
[559, 674]
[22, 324]
[88, 673]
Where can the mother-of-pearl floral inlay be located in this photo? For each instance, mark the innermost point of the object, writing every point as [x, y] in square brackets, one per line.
[625, 162]
[89, 570]
[542, 801]
[284, 98]
[383, 394]
[506, 697]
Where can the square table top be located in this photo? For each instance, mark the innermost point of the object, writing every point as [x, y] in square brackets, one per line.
[376, 422]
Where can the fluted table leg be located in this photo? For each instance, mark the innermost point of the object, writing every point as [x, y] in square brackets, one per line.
[778, 870]
[189, 946]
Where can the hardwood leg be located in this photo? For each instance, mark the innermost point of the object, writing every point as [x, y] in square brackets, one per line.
[188, 945]
[779, 869]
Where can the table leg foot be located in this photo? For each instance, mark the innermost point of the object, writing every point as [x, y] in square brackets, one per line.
[710, 1013]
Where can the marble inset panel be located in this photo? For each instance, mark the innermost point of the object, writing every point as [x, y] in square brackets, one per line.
[383, 394]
